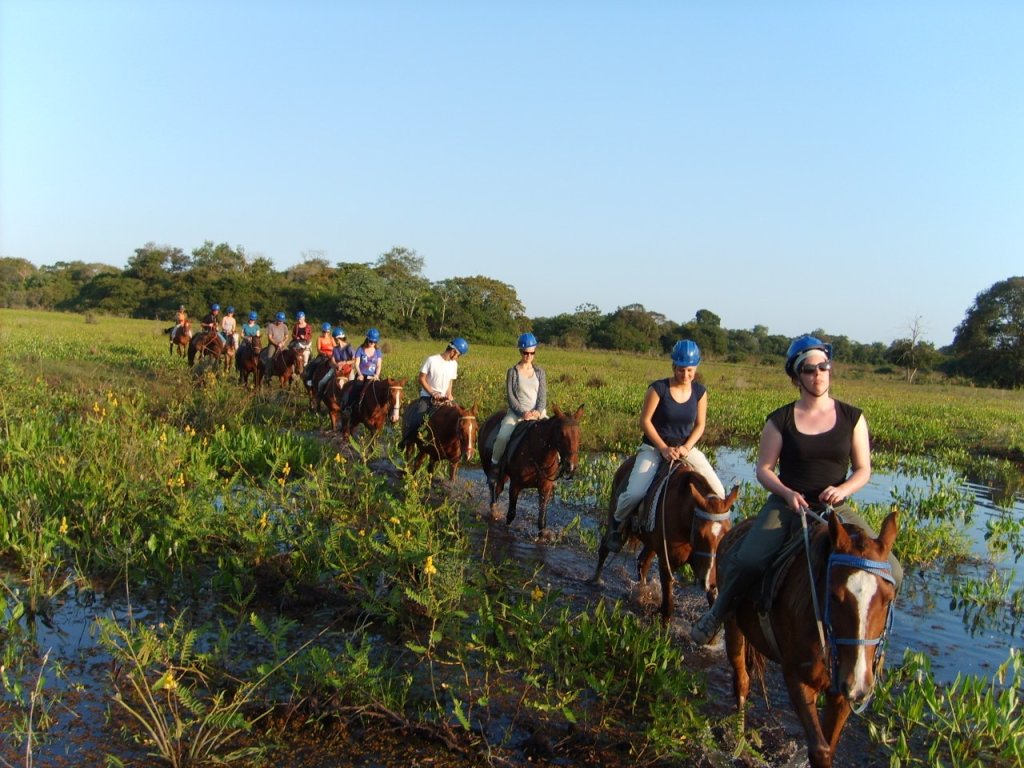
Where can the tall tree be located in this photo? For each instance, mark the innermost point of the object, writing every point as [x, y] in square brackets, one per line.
[402, 269]
[989, 343]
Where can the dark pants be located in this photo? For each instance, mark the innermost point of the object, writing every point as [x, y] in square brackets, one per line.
[413, 418]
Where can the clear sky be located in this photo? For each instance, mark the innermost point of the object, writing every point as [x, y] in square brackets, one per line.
[843, 165]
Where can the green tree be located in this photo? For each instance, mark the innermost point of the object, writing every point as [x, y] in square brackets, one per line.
[989, 343]
[631, 327]
[479, 308]
[402, 270]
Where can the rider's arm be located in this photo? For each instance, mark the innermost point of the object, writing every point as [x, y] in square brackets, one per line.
[651, 400]
[426, 386]
[767, 459]
[698, 425]
[860, 461]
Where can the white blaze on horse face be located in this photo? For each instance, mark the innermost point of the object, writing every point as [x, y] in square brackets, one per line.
[863, 586]
[398, 404]
[470, 438]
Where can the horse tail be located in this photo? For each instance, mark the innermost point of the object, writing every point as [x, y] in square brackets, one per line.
[756, 664]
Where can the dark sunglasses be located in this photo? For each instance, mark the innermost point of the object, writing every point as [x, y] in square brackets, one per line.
[809, 369]
[528, 354]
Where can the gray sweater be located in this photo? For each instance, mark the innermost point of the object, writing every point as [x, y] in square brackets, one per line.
[518, 401]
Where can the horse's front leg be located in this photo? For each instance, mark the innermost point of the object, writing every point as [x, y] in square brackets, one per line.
[513, 498]
[643, 562]
[837, 710]
[804, 700]
[545, 491]
[667, 591]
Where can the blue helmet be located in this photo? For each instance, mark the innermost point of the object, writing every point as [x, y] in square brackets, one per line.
[300, 315]
[326, 327]
[230, 310]
[803, 344]
[686, 354]
[527, 340]
[339, 332]
[460, 345]
[279, 317]
[373, 335]
[253, 315]
[215, 307]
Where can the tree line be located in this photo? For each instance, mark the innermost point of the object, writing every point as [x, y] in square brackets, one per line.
[392, 294]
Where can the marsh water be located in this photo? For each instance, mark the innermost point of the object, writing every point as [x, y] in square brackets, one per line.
[957, 640]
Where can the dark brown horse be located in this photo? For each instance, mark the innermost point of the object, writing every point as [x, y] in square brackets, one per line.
[689, 523]
[281, 365]
[449, 433]
[367, 402]
[247, 361]
[208, 344]
[851, 593]
[312, 374]
[549, 449]
[180, 335]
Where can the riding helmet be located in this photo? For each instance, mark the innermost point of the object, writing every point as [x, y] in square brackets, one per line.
[230, 310]
[300, 315]
[253, 315]
[339, 332]
[279, 317]
[460, 345]
[803, 344]
[325, 328]
[215, 307]
[527, 340]
[373, 335]
[686, 354]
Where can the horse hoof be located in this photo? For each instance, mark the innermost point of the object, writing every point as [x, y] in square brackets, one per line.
[546, 535]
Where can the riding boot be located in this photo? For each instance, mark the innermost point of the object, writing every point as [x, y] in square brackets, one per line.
[615, 538]
[736, 583]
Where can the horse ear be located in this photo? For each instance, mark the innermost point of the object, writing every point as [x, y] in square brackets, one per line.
[579, 413]
[733, 495]
[701, 501]
[557, 411]
[840, 538]
[889, 529]
[472, 411]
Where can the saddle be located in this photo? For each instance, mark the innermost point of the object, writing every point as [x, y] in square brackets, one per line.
[642, 517]
[515, 439]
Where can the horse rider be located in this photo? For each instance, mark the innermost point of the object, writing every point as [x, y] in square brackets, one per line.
[229, 327]
[342, 361]
[302, 337]
[807, 448]
[437, 375]
[672, 419]
[369, 359]
[325, 341]
[526, 389]
[277, 335]
[181, 323]
[211, 320]
[251, 331]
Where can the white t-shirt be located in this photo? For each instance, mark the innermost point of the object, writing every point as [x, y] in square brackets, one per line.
[440, 373]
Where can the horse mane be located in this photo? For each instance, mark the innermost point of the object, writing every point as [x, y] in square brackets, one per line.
[799, 600]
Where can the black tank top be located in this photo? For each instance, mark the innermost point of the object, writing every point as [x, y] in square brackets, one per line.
[810, 463]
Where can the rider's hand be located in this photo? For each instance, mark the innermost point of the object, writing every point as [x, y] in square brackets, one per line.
[831, 496]
[796, 501]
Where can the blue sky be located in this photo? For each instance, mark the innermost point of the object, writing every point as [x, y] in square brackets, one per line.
[848, 166]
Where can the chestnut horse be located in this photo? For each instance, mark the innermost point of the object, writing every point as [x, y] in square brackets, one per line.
[180, 335]
[548, 450]
[367, 402]
[832, 627]
[689, 523]
[247, 361]
[208, 344]
[449, 433]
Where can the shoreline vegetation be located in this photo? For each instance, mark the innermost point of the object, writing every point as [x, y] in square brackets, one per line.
[292, 594]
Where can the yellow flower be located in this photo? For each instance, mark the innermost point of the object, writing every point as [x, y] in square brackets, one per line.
[264, 522]
[394, 520]
[287, 469]
[428, 567]
[63, 526]
[163, 437]
[362, 531]
[338, 459]
[171, 683]
[537, 594]
[61, 460]
[280, 481]
[95, 407]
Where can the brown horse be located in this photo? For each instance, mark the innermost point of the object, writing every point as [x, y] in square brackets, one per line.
[207, 344]
[448, 434]
[841, 655]
[247, 361]
[367, 402]
[314, 371]
[180, 335]
[548, 450]
[689, 523]
[281, 365]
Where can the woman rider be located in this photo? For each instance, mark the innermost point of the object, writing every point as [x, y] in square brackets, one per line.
[229, 327]
[526, 387]
[806, 449]
[369, 360]
[302, 337]
[251, 331]
[672, 419]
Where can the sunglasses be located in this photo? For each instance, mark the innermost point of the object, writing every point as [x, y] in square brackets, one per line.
[809, 369]
[528, 354]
